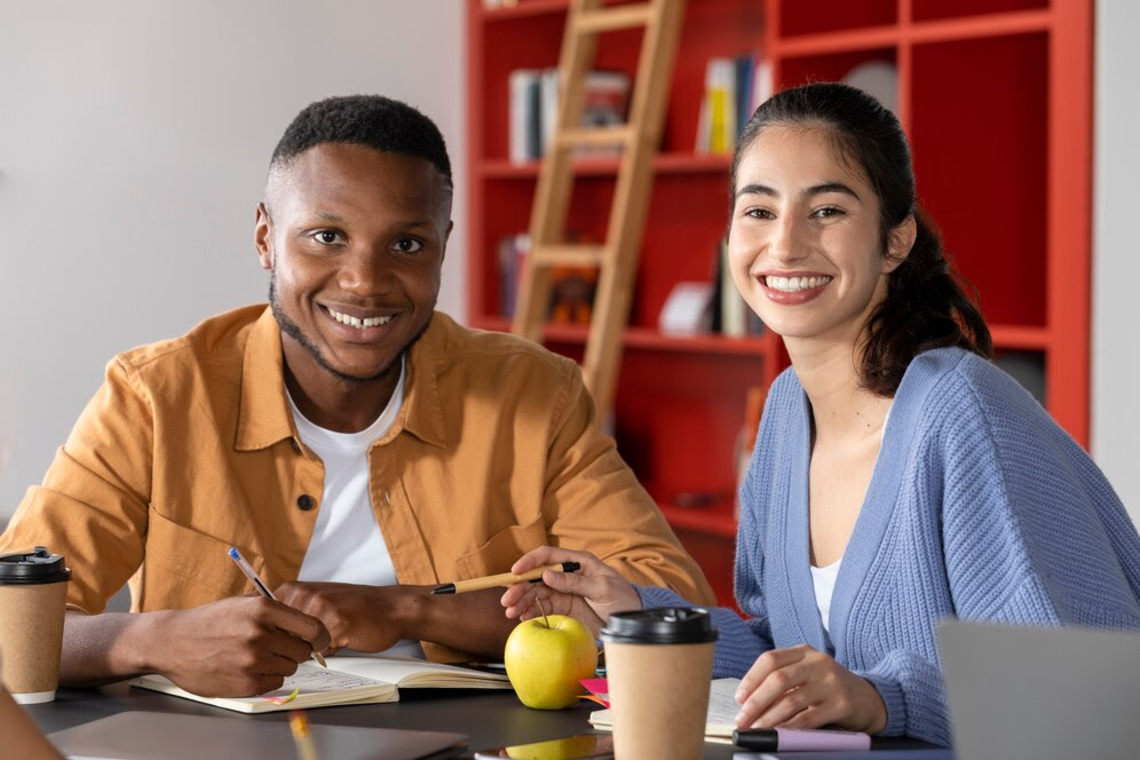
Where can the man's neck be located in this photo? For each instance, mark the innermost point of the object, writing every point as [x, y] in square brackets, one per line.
[339, 405]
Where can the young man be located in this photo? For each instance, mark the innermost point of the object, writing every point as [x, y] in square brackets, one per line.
[357, 446]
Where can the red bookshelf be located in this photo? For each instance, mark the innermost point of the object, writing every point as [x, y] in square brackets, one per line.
[996, 99]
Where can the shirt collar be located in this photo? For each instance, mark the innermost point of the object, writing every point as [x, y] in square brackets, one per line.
[264, 417]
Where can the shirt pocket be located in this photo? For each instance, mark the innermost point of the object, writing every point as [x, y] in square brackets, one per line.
[501, 550]
[184, 568]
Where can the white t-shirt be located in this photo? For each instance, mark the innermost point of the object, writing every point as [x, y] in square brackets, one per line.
[824, 580]
[347, 545]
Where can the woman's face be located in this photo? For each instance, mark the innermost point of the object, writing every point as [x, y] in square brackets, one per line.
[804, 245]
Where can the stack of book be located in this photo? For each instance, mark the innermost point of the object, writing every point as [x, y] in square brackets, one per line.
[734, 88]
[534, 109]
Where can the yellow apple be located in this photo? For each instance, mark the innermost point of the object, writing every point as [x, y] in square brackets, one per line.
[580, 745]
[546, 657]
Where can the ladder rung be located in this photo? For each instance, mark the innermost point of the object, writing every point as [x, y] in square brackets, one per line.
[611, 19]
[567, 255]
[595, 136]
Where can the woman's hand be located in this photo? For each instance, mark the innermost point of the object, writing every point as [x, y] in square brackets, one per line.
[800, 687]
[591, 594]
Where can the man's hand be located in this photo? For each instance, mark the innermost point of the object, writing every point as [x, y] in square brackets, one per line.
[801, 687]
[590, 595]
[364, 618]
[240, 646]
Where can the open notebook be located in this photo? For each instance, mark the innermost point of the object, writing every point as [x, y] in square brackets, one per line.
[347, 681]
[721, 716]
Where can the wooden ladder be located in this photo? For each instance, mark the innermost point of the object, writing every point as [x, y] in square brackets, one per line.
[638, 139]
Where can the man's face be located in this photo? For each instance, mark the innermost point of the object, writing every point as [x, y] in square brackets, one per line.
[355, 241]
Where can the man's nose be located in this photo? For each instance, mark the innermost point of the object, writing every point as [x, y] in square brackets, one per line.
[364, 273]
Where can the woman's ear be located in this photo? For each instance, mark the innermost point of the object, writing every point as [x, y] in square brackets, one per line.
[899, 242]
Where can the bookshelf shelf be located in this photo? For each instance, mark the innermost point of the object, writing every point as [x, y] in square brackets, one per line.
[522, 9]
[665, 163]
[995, 96]
[645, 339]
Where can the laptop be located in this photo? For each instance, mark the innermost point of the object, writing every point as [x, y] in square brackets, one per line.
[138, 735]
[1041, 693]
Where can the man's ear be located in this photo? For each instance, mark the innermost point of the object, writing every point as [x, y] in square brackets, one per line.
[263, 237]
[899, 242]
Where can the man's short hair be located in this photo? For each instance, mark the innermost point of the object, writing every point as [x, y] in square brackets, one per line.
[378, 122]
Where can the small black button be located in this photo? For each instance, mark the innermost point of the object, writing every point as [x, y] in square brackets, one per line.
[306, 502]
[296, 446]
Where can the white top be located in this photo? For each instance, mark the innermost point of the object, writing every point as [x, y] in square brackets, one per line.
[347, 545]
[824, 580]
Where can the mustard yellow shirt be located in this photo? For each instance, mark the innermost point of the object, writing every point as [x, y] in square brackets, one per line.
[189, 447]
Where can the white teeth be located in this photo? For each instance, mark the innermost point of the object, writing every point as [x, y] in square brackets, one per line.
[357, 322]
[794, 284]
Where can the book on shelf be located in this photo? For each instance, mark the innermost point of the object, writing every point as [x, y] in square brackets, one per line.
[719, 722]
[533, 106]
[730, 314]
[734, 88]
[346, 681]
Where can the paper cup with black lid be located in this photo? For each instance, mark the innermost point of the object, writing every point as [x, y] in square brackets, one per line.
[33, 596]
[659, 669]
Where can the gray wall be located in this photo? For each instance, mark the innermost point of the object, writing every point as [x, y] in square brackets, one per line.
[1116, 251]
[134, 138]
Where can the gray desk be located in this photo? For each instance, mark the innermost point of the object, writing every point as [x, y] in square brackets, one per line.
[489, 718]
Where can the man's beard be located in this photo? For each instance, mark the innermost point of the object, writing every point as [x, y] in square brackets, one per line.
[293, 330]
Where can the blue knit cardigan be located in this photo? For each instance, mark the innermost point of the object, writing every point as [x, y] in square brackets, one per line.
[979, 507]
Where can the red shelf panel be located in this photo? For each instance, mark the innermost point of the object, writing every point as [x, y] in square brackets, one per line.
[1020, 338]
[644, 338]
[716, 519]
[524, 9]
[663, 163]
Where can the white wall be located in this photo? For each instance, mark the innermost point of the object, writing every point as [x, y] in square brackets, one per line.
[134, 139]
[1116, 250]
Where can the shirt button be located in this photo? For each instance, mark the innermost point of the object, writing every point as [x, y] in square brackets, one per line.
[305, 502]
[296, 446]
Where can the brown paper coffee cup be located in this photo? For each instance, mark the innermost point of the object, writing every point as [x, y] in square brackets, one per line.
[32, 606]
[659, 683]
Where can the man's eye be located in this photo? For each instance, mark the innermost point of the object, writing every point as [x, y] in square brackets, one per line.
[408, 245]
[327, 237]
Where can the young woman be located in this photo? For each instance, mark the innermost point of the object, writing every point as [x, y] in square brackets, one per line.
[898, 477]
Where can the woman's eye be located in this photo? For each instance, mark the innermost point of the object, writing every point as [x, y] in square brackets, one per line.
[827, 212]
[759, 213]
[408, 245]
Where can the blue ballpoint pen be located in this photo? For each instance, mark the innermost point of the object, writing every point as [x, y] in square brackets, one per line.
[262, 589]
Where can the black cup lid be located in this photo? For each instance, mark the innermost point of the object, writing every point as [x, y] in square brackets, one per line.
[660, 625]
[40, 566]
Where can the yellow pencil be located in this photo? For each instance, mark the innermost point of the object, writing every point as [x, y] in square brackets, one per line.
[503, 579]
[302, 737]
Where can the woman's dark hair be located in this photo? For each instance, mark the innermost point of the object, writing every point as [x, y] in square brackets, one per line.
[926, 305]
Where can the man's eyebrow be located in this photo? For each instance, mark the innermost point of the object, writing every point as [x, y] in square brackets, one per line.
[328, 216]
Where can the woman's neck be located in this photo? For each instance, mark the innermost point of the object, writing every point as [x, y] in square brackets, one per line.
[841, 408]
